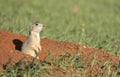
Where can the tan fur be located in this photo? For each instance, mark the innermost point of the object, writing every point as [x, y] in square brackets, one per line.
[32, 44]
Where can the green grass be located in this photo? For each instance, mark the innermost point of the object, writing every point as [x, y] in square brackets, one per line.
[96, 24]
[80, 68]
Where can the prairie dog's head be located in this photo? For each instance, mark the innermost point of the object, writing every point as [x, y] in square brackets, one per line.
[37, 27]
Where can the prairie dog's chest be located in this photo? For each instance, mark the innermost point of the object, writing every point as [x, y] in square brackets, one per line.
[35, 38]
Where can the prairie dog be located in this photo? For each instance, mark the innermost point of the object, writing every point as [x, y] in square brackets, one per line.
[32, 45]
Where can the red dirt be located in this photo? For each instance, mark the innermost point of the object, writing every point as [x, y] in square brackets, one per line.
[10, 45]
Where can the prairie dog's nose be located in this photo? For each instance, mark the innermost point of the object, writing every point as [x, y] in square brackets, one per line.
[43, 25]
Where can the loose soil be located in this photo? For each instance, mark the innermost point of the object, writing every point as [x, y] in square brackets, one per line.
[10, 49]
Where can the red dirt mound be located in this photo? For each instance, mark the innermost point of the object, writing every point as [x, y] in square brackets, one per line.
[10, 46]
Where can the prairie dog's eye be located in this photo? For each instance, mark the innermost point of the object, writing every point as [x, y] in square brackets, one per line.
[36, 24]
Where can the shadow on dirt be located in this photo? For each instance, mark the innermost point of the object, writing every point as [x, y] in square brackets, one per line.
[18, 44]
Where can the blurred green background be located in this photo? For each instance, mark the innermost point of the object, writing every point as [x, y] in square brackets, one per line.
[94, 23]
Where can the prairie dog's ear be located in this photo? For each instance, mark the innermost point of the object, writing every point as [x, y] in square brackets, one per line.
[31, 27]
